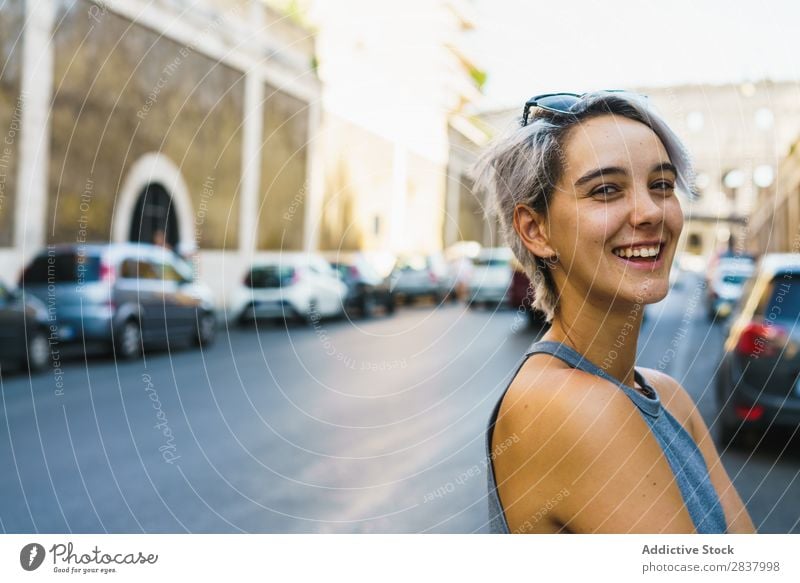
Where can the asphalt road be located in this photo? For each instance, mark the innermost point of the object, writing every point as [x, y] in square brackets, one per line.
[363, 426]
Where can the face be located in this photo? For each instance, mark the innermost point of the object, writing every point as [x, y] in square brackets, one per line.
[614, 218]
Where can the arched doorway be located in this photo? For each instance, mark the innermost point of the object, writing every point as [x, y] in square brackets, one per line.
[154, 218]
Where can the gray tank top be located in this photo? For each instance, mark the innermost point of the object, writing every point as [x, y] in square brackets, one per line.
[685, 459]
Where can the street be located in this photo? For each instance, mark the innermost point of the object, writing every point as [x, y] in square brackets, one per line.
[336, 426]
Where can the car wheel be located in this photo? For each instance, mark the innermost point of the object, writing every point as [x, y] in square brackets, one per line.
[246, 317]
[727, 435]
[390, 305]
[38, 351]
[312, 316]
[368, 305]
[128, 341]
[206, 329]
[734, 435]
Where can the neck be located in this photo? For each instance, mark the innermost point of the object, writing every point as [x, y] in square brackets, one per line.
[605, 335]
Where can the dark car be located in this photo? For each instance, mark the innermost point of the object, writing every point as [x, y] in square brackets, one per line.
[123, 294]
[366, 289]
[23, 331]
[520, 296]
[758, 382]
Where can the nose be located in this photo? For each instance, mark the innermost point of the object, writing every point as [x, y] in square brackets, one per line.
[646, 211]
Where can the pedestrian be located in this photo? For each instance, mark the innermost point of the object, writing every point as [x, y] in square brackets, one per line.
[582, 441]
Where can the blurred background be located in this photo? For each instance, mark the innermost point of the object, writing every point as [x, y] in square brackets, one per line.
[246, 284]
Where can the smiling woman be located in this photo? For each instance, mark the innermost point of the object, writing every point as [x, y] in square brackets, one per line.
[585, 193]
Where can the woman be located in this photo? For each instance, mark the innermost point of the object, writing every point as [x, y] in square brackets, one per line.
[581, 441]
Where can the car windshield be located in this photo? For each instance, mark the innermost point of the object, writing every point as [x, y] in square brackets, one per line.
[732, 279]
[61, 267]
[412, 264]
[269, 276]
[492, 262]
[785, 296]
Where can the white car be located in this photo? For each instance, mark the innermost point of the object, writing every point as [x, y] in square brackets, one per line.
[491, 277]
[290, 285]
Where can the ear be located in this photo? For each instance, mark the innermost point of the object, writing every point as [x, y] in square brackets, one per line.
[531, 226]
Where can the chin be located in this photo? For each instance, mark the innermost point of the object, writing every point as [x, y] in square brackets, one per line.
[652, 292]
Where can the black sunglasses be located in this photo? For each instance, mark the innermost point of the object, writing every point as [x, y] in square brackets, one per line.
[563, 102]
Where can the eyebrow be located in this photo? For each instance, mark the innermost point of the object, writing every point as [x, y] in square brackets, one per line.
[589, 176]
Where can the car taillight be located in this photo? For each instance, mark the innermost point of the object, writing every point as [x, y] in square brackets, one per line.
[753, 413]
[432, 277]
[761, 340]
[354, 273]
[295, 277]
[107, 273]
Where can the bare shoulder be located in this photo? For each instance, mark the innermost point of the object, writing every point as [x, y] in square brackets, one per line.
[580, 440]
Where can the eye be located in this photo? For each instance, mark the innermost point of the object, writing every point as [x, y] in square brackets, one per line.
[664, 185]
[605, 190]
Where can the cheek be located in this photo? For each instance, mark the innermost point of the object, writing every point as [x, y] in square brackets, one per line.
[674, 215]
[597, 226]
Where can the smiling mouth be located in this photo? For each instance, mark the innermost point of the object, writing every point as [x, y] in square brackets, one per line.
[641, 253]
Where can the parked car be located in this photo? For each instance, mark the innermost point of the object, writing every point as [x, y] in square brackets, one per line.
[23, 331]
[719, 257]
[758, 380]
[521, 295]
[128, 295]
[416, 276]
[290, 286]
[726, 285]
[366, 290]
[458, 258]
[491, 277]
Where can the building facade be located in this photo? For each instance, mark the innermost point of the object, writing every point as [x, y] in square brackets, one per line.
[393, 77]
[130, 120]
[774, 226]
[736, 134]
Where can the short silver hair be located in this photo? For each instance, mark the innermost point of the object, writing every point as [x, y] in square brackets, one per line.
[524, 165]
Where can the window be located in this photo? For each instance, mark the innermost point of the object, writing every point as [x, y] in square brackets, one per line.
[137, 269]
[166, 272]
[66, 267]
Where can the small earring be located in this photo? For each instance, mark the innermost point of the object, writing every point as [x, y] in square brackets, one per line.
[553, 259]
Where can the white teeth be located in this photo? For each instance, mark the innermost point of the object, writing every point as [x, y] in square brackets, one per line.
[638, 252]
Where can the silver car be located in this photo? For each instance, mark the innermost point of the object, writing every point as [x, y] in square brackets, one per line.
[125, 295]
[726, 285]
[491, 276]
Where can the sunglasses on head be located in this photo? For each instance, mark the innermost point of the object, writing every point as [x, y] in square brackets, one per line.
[563, 102]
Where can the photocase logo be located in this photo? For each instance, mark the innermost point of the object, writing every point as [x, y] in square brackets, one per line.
[31, 556]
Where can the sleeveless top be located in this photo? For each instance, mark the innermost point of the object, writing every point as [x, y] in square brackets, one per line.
[681, 451]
